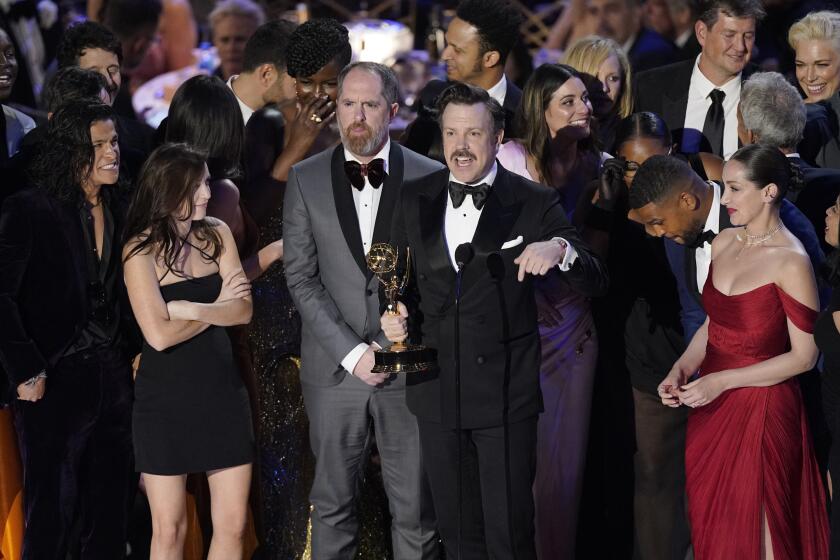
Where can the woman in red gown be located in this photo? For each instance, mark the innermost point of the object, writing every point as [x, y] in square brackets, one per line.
[752, 482]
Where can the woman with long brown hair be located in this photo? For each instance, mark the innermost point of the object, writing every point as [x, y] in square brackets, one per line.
[191, 411]
[558, 151]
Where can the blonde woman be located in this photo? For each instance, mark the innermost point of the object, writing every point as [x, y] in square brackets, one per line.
[816, 42]
[603, 59]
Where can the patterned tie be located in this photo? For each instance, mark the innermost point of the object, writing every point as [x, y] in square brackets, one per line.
[374, 171]
[459, 191]
[714, 124]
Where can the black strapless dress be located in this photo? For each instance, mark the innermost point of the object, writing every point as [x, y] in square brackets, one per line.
[191, 411]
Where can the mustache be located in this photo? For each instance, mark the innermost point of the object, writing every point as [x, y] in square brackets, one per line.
[462, 153]
[367, 128]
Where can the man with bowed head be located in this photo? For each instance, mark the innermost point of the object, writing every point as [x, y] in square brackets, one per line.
[337, 204]
[517, 229]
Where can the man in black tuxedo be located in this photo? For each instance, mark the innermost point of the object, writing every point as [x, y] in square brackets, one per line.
[698, 98]
[67, 337]
[478, 41]
[772, 112]
[516, 229]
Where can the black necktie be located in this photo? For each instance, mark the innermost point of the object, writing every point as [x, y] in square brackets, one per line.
[713, 127]
[706, 236]
[374, 171]
[459, 191]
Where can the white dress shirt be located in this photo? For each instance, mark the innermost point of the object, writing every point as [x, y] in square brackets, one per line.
[703, 255]
[499, 91]
[367, 205]
[460, 223]
[246, 111]
[698, 105]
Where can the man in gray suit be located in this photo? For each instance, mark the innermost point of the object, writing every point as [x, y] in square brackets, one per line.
[337, 204]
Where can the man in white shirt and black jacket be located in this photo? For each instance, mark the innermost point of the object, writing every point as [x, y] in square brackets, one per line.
[519, 229]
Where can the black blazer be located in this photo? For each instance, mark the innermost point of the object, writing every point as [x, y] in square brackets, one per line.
[515, 207]
[664, 91]
[43, 282]
[822, 185]
[651, 50]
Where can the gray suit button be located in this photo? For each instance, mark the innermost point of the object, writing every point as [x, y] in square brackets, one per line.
[480, 360]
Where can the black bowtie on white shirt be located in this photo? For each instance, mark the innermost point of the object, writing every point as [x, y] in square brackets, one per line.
[460, 223]
[367, 205]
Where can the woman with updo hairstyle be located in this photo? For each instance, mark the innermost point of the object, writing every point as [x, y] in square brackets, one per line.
[318, 50]
[816, 42]
[752, 480]
[558, 151]
[603, 58]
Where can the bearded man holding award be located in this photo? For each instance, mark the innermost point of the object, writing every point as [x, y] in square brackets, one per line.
[479, 236]
[337, 205]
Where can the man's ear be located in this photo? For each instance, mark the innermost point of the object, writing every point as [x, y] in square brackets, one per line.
[267, 74]
[689, 201]
[491, 59]
[701, 31]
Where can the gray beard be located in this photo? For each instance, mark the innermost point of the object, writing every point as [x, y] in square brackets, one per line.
[364, 147]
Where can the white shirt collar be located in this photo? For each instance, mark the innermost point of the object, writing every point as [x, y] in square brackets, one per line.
[383, 154]
[794, 154]
[683, 38]
[713, 219]
[246, 111]
[700, 86]
[628, 44]
[489, 178]
[499, 91]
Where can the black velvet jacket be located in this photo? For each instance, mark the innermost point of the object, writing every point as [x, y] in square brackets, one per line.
[43, 283]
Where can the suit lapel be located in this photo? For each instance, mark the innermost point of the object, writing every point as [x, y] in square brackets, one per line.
[675, 101]
[432, 212]
[494, 226]
[691, 274]
[71, 225]
[389, 195]
[346, 209]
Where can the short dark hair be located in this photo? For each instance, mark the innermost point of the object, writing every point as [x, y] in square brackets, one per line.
[767, 164]
[315, 44]
[83, 36]
[642, 125]
[497, 22]
[127, 17]
[72, 84]
[460, 93]
[205, 114]
[658, 178]
[390, 84]
[710, 9]
[268, 45]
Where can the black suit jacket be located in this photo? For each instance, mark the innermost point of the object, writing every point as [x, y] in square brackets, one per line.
[43, 282]
[515, 207]
[822, 185]
[664, 91]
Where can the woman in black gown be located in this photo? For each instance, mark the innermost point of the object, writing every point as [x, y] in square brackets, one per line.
[191, 411]
[827, 337]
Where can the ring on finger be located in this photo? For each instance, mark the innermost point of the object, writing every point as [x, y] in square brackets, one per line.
[314, 117]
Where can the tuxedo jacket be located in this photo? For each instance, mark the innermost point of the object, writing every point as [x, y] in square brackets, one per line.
[684, 264]
[335, 293]
[516, 209]
[821, 140]
[664, 91]
[43, 282]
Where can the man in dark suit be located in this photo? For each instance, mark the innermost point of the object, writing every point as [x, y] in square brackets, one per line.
[67, 337]
[621, 20]
[698, 98]
[672, 201]
[337, 205]
[772, 112]
[478, 41]
[516, 229]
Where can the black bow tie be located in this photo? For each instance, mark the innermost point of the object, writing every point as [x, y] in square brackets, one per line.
[459, 191]
[374, 171]
[706, 236]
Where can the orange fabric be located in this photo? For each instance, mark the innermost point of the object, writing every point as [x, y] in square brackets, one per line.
[11, 490]
[194, 542]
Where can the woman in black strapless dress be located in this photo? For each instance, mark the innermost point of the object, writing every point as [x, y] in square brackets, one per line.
[191, 411]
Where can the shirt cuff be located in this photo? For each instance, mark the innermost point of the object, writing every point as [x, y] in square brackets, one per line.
[569, 258]
[352, 358]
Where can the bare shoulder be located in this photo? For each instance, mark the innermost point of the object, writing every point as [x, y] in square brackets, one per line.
[723, 240]
[713, 166]
[130, 248]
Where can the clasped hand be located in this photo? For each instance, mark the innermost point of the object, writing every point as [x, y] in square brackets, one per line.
[674, 391]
